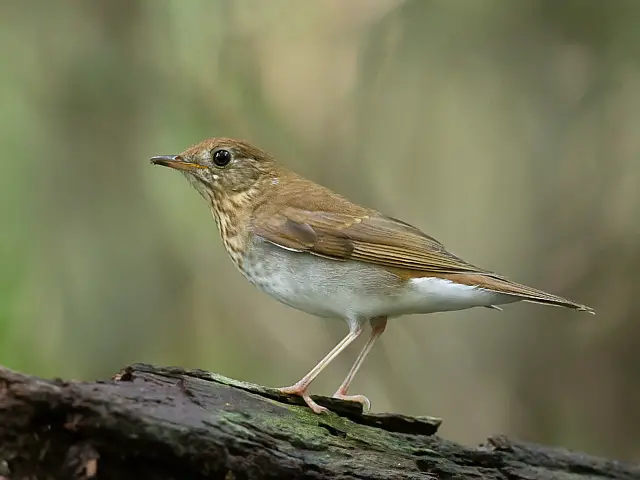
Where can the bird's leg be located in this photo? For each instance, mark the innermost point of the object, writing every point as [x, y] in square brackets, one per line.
[378, 325]
[300, 388]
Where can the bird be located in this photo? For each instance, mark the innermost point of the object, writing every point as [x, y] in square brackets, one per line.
[316, 251]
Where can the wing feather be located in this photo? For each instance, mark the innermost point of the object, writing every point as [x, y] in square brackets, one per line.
[368, 236]
[372, 238]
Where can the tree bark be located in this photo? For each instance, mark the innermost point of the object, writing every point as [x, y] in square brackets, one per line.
[170, 423]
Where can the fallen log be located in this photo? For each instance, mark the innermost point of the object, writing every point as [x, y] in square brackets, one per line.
[170, 423]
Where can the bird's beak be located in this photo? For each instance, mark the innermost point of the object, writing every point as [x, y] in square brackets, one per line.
[176, 161]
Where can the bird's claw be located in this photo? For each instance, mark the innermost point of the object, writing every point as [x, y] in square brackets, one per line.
[301, 391]
[366, 404]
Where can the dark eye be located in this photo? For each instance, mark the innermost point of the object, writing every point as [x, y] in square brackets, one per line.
[221, 157]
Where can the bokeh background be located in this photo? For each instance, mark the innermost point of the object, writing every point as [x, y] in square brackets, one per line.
[508, 130]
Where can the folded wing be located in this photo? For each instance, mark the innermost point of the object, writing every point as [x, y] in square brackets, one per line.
[368, 236]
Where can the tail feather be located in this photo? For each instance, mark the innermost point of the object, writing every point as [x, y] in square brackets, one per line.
[527, 294]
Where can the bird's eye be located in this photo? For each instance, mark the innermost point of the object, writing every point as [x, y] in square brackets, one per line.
[221, 157]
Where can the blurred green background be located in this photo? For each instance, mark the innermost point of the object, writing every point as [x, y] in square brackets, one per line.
[506, 129]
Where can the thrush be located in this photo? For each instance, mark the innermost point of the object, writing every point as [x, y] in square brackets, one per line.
[316, 251]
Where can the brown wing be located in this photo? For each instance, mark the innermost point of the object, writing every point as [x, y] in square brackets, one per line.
[369, 237]
[320, 226]
[312, 219]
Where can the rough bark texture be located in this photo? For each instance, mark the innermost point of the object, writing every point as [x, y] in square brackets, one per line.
[169, 423]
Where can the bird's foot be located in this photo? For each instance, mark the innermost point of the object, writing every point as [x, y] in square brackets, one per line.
[366, 404]
[301, 391]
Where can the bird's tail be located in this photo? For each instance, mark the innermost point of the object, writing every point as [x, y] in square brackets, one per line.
[525, 293]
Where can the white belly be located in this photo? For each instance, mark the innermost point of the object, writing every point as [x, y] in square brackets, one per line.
[354, 290]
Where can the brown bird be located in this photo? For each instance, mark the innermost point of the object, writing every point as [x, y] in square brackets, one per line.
[316, 251]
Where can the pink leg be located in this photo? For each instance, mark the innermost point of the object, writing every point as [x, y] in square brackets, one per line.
[300, 388]
[378, 325]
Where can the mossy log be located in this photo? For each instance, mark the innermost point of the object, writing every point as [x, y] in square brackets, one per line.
[169, 423]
